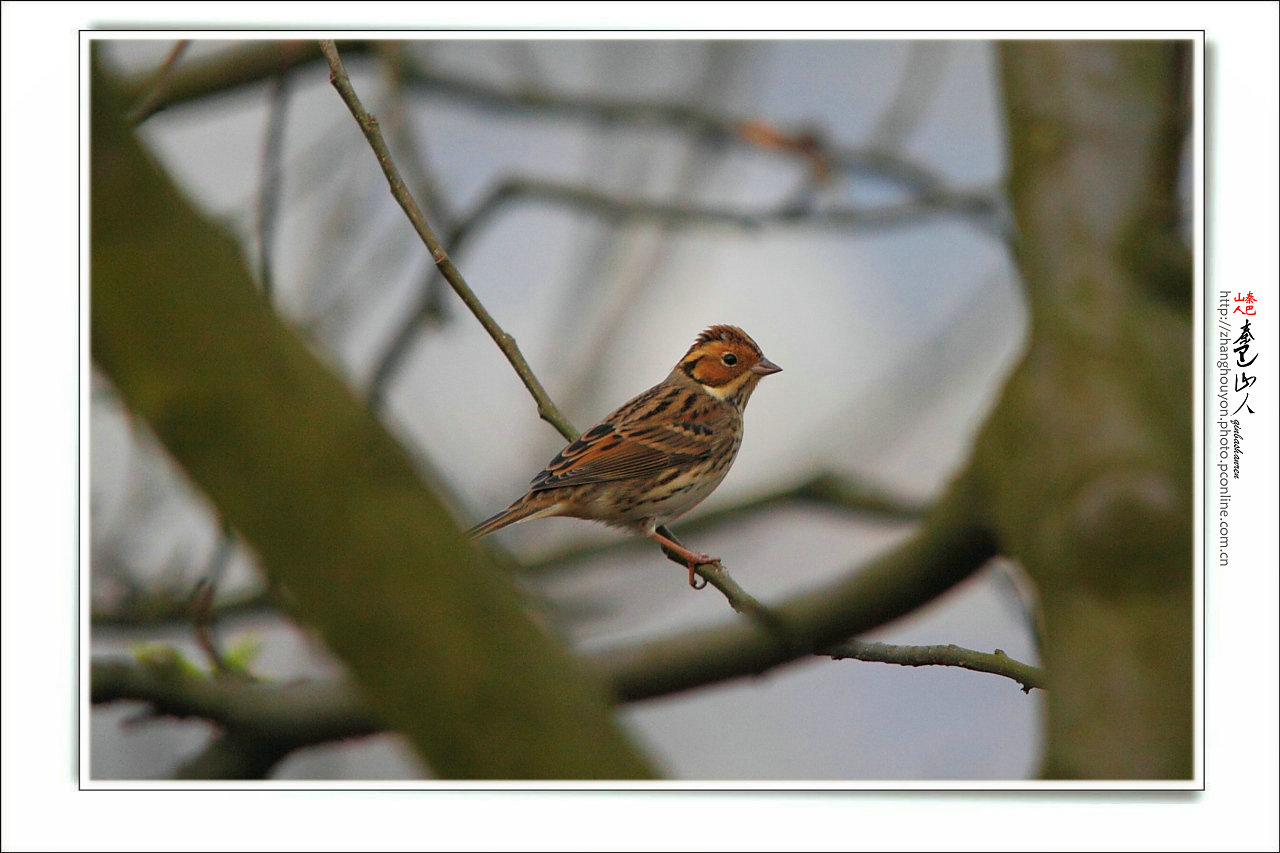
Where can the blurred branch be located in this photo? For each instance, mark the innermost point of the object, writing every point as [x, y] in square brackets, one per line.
[823, 490]
[261, 721]
[158, 608]
[369, 126]
[703, 123]
[269, 189]
[256, 61]
[916, 87]
[995, 663]
[245, 64]
[159, 85]
[981, 206]
[230, 756]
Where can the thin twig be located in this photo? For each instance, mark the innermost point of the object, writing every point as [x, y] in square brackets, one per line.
[951, 545]
[740, 600]
[369, 126]
[714, 574]
[996, 663]
[434, 201]
[431, 305]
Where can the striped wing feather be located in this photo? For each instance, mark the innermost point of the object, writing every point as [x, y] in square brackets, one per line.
[635, 442]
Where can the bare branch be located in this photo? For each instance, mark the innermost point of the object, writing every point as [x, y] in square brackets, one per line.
[431, 305]
[996, 663]
[981, 206]
[257, 61]
[300, 712]
[369, 125]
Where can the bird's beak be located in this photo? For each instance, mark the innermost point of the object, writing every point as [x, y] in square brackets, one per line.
[765, 367]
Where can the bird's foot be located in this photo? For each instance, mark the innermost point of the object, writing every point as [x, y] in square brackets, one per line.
[697, 559]
[692, 559]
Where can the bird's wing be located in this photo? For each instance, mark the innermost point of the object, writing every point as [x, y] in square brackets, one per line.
[645, 437]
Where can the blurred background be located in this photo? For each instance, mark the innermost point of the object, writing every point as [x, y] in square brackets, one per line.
[840, 200]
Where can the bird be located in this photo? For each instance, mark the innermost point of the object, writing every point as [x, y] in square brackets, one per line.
[658, 455]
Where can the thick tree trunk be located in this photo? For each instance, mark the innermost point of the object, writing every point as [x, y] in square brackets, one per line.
[1086, 463]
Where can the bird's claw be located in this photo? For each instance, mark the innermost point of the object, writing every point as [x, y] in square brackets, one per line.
[700, 560]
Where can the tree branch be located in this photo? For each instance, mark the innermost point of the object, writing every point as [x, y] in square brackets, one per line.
[159, 84]
[165, 608]
[715, 573]
[369, 126]
[982, 206]
[951, 545]
[258, 61]
[245, 64]
[261, 722]
[782, 636]
[996, 663]
[254, 62]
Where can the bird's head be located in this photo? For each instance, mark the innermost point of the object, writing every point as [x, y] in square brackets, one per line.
[726, 363]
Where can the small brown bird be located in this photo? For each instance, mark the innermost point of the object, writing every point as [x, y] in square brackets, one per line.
[659, 455]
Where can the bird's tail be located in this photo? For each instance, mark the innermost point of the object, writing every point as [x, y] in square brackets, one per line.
[519, 511]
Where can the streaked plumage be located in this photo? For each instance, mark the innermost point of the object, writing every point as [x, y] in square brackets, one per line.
[658, 455]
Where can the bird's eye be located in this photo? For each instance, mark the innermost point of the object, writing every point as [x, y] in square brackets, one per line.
[729, 359]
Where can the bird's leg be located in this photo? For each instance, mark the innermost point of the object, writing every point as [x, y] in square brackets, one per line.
[692, 559]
